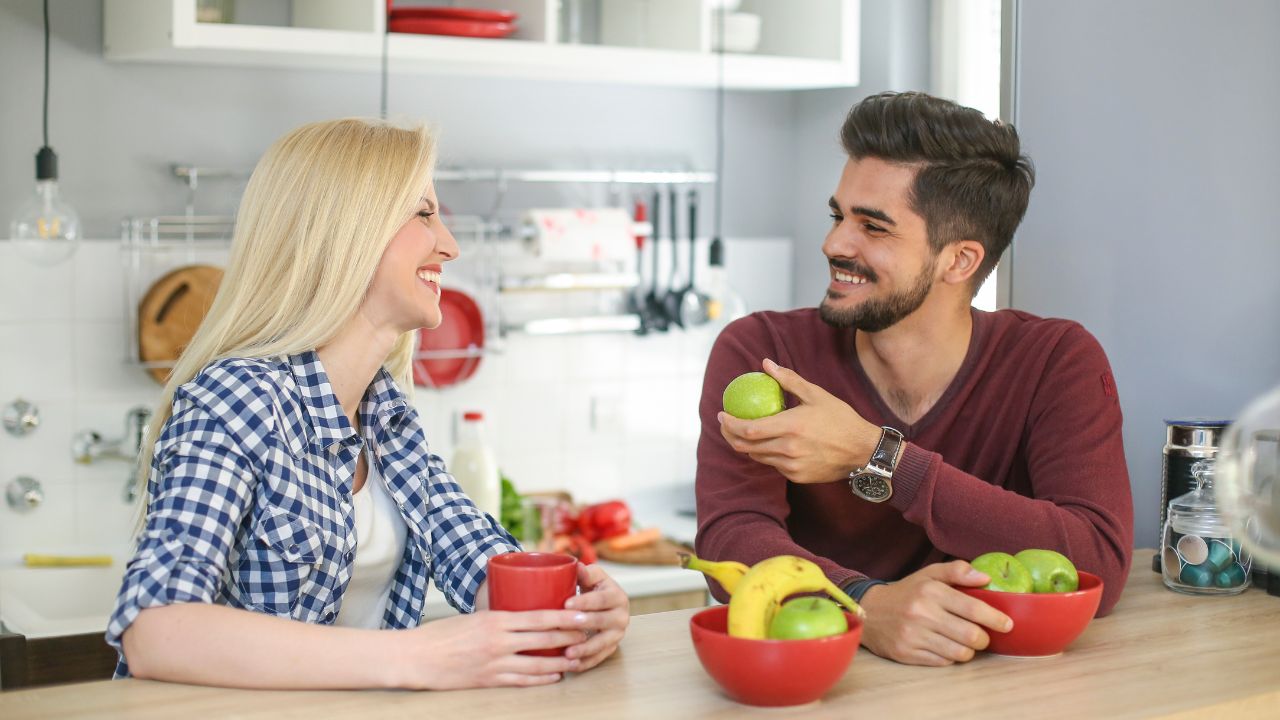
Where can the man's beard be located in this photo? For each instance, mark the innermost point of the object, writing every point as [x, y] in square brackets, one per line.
[878, 314]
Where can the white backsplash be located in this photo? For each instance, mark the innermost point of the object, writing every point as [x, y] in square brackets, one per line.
[597, 415]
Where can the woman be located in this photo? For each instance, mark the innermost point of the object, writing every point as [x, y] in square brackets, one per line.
[290, 479]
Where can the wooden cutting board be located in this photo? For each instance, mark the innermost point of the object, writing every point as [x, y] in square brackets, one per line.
[171, 311]
[662, 552]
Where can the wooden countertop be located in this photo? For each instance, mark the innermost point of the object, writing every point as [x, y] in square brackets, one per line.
[1160, 654]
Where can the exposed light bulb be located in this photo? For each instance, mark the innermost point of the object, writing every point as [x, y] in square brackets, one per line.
[46, 229]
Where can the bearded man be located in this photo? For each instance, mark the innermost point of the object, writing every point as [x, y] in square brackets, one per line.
[920, 432]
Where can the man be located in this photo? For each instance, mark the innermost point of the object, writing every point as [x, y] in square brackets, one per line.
[990, 431]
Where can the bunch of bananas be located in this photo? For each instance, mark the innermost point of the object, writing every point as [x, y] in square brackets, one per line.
[756, 593]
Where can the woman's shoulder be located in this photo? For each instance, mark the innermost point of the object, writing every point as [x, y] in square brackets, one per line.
[236, 388]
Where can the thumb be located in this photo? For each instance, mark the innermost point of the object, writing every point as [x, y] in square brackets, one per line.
[790, 381]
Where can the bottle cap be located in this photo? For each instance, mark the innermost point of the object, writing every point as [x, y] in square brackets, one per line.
[472, 415]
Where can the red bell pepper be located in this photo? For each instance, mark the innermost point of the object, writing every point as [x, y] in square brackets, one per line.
[605, 520]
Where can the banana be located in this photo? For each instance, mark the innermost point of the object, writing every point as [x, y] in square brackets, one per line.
[725, 572]
[761, 591]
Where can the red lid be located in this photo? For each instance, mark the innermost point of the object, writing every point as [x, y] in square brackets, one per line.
[471, 415]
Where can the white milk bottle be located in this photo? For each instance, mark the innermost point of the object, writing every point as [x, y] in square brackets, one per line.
[474, 466]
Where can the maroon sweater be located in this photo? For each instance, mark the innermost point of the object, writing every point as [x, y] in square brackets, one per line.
[1023, 450]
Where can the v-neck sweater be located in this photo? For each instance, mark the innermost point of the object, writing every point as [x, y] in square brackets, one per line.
[1022, 450]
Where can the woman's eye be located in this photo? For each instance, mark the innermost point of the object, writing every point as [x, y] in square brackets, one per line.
[425, 214]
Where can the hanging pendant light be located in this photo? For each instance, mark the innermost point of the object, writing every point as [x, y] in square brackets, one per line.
[46, 229]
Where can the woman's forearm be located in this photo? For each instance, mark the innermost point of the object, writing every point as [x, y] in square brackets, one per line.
[217, 645]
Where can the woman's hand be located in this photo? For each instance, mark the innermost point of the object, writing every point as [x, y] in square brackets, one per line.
[481, 649]
[608, 612]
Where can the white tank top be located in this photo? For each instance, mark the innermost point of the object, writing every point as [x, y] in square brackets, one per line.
[380, 541]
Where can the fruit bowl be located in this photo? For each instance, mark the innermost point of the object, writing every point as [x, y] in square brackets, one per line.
[1044, 624]
[771, 673]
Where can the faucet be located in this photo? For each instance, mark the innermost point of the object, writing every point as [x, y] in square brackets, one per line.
[89, 446]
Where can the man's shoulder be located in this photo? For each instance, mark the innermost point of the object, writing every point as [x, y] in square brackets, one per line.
[1011, 326]
[780, 324]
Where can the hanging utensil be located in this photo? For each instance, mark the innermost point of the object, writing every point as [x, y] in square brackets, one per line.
[635, 298]
[671, 302]
[694, 304]
[653, 301]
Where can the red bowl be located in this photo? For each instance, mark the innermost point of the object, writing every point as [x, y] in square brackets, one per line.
[771, 673]
[1044, 624]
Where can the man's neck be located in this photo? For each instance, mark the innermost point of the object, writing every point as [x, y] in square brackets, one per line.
[912, 363]
[352, 359]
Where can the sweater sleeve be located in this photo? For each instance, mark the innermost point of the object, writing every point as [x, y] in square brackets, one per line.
[1080, 503]
[742, 504]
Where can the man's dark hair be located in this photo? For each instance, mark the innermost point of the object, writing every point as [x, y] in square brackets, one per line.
[973, 182]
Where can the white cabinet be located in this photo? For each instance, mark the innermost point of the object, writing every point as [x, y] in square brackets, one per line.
[803, 43]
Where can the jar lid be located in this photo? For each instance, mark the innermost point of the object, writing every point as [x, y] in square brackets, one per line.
[1198, 422]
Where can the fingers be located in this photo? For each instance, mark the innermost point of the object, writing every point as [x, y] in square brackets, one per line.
[546, 640]
[956, 572]
[532, 620]
[976, 611]
[517, 680]
[589, 576]
[595, 649]
[606, 596]
[790, 381]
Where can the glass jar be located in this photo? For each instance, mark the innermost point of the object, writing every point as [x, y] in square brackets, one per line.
[1200, 554]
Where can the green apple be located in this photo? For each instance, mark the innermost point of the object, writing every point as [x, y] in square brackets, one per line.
[1006, 573]
[753, 395]
[807, 617]
[1051, 572]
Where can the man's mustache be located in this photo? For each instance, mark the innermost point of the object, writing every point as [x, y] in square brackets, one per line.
[854, 267]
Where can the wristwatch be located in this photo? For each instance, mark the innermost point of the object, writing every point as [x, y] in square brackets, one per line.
[873, 482]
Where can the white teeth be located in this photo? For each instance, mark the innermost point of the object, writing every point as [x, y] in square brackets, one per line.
[847, 278]
[428, 276]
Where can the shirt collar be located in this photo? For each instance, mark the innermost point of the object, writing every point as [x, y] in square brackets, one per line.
[328, 423]
[383, 402]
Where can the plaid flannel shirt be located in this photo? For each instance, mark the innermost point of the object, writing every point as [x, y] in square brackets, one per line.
[251, 487]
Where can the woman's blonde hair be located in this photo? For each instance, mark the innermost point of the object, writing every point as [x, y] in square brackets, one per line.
[318, 212]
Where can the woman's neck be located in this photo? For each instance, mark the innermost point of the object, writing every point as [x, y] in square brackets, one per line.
[352, 359]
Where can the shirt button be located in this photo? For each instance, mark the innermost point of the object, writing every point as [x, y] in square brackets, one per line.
[328, 617]
[348, 556]
[293, 548]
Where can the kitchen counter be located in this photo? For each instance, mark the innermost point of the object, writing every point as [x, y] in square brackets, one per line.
[1160, 654]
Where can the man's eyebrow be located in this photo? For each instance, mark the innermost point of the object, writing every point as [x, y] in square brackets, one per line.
[857, 210]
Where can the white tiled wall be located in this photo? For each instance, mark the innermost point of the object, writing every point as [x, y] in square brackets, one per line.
[597, 415]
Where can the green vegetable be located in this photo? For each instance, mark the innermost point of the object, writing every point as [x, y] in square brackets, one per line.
[510, 515]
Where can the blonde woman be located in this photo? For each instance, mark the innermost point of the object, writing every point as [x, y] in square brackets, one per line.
[294, 513]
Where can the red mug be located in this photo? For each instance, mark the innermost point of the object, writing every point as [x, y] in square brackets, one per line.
[532, 581]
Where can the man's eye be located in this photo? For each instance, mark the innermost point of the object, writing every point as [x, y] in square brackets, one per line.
[835, 218]
[873, 228]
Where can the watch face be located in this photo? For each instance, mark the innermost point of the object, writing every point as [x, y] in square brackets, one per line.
[871, 487]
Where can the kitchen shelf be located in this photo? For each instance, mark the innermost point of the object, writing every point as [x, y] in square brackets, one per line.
[804, 43]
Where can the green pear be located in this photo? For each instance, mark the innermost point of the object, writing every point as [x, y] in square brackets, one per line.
[1051, 572]
[1006, 573]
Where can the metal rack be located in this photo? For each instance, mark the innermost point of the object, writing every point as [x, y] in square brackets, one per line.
[490, 282]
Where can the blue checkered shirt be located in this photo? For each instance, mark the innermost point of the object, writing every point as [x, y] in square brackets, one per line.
[251, 486]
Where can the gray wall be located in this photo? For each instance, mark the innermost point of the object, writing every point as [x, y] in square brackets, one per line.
[1153, 126]
[117, 126]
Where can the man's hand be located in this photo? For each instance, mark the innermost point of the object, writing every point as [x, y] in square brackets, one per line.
[818, 441]
[922, 620]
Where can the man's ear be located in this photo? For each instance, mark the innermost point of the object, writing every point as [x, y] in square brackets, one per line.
[961, 260]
